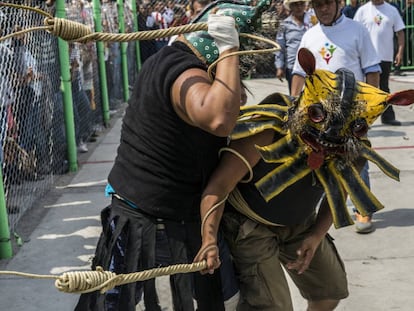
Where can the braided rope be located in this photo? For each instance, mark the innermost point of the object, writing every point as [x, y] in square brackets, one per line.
[73, 31]
[89, 281]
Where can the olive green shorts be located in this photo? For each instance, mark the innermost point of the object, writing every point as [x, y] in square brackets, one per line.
[260, 251]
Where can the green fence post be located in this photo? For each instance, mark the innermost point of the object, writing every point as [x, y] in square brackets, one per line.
[124, 45]
[5, 243]
[137, 45]
[67, 93]
[103, 83]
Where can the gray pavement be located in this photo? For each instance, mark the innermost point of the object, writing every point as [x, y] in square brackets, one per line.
[379, 265]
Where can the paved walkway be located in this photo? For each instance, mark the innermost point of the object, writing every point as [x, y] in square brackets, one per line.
[379, 265]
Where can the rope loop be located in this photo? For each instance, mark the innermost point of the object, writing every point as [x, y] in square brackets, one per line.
[83, 281]
[67, 30]
[73, 31]
[89, 281]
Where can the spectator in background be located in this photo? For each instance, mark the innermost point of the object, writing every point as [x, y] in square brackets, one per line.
[397, 68]
[163, 17]
[81, 102]
[6, 95]
[112, 54]
[281, 11]
[350, 9]
[328, 42]
[289, 35]
[383, 20]
[88, 55]
[146, 22]
[27, 91]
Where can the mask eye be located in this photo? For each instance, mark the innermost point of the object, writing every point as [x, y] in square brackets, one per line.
[316, 113]
[359, 128]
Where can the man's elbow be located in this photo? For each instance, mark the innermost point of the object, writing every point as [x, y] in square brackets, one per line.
[222, 127]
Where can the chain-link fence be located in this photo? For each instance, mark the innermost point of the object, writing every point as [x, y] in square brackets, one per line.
[33, 134]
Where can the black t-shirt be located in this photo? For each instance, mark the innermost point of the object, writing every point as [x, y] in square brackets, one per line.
[292, 206]
[163, 164]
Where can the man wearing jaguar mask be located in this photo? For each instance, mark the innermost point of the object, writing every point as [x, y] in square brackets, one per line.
[287, 172]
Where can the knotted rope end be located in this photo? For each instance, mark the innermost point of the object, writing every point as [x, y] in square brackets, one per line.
[86, 281]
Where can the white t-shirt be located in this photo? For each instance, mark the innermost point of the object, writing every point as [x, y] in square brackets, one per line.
[381, 21]
[346, 44]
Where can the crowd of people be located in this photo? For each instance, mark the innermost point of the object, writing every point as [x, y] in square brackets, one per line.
[153, 15]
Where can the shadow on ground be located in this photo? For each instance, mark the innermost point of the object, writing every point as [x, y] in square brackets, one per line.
[401, 217]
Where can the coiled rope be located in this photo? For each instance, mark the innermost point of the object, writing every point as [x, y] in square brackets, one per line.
[89, 281]
[80, 282]
[72, 31]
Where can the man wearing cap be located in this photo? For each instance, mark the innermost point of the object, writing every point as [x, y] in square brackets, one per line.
[338, 42]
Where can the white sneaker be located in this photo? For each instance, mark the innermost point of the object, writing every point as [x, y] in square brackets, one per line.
[82, 147]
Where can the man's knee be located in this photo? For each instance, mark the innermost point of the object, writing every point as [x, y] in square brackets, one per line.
[322, 305]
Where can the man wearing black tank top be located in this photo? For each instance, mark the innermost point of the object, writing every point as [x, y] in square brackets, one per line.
[176, 121]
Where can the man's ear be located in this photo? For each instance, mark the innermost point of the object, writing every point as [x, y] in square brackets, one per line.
[402, 98]
[307, 61]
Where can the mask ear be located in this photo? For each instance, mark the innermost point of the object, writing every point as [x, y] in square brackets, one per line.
[403, 98]
[307, 61]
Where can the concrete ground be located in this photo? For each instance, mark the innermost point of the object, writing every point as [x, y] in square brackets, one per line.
[379, 265]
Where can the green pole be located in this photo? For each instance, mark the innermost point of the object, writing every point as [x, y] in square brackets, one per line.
[137, 45]
[67, 93]
[5, 243]
[101, 62]
[124, 45]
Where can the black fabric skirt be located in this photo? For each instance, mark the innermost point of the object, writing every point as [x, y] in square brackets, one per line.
[127, 244]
